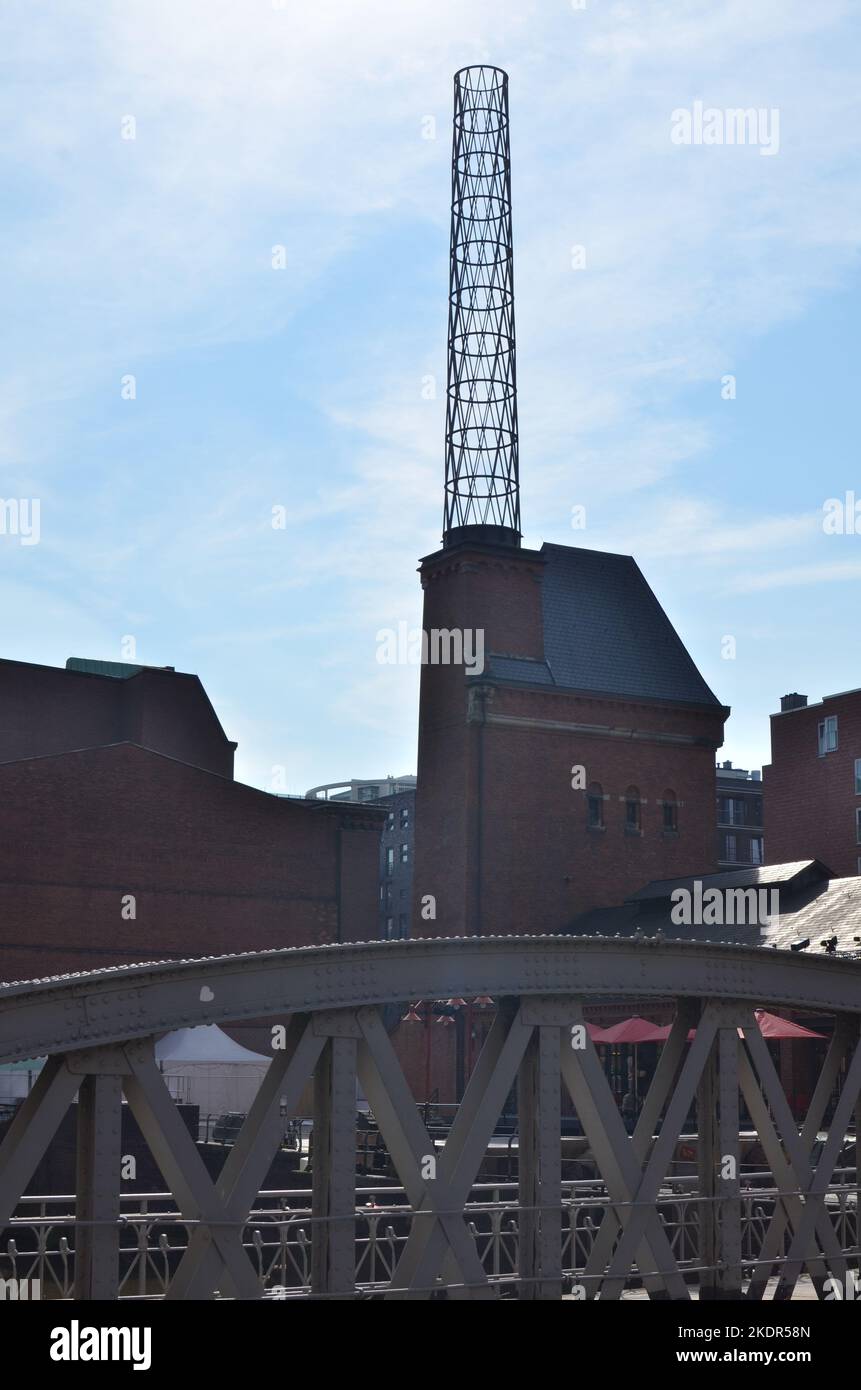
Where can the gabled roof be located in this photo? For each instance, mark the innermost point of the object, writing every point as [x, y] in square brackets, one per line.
[605, 631]
[796, 875]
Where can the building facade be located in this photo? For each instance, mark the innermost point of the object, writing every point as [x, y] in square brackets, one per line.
[812, 786]
[124, 851]
[88, 704]
[397, 851]
[739, 816]
[396, 796]
[578, 764]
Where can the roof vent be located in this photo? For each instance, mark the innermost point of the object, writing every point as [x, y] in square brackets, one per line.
[793, 701]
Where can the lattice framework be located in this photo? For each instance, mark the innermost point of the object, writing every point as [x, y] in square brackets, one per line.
[481, 482]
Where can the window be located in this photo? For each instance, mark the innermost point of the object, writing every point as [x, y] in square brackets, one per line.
[858, 776]
[827, 735]
[595, 807]
[405, 854]
[671, 813]
[632, 811]
[756, 849]
[390, 821]
[731, 810]
[390, 861]
[729, 850]
[859, 864]
[368, 793]
[858, 825]
[390, 928]
[405, 817]
[402, 925]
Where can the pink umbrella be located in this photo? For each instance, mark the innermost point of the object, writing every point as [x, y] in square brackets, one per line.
[770, 1026]
[633, 1030]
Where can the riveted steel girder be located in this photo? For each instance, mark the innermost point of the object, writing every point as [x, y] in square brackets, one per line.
[116, 1005]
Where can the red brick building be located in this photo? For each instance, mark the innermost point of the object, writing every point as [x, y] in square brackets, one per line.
[48, 709]
[812, 787]
[578, 764]
[123, 836]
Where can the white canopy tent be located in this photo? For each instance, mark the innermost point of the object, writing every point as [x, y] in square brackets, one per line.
[204, 1067]
[17, 1079]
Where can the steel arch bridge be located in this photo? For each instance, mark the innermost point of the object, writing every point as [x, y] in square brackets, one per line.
[98, 1031]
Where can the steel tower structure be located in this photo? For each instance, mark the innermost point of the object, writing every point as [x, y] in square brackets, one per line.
[482, 499]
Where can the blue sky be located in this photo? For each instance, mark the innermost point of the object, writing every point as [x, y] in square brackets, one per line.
[303, 127]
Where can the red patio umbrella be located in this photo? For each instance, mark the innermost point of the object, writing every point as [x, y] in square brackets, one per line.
[632, 1030]
[770, 1026]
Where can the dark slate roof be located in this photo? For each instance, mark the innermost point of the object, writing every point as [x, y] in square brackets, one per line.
[516, 668]
[812, 908]
[604, 630]
[796, 874]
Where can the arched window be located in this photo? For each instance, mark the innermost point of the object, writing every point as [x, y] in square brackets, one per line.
[595, 806]
[632, 811]
[671, 813]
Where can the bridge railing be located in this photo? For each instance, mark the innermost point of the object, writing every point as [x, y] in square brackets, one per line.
[39, 1244]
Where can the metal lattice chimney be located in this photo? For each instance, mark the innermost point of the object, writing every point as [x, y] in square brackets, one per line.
[482, 498]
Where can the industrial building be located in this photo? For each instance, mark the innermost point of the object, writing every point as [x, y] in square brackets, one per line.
[123, 836]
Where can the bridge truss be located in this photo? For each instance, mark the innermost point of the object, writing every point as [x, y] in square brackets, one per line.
[98, 1032]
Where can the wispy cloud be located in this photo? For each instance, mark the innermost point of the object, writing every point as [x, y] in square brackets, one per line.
[259, 126]
[798, 576]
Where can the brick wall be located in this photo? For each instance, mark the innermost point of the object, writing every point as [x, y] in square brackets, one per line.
[46, 709]
[214, 866]
[502, 842]
[810, 801]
